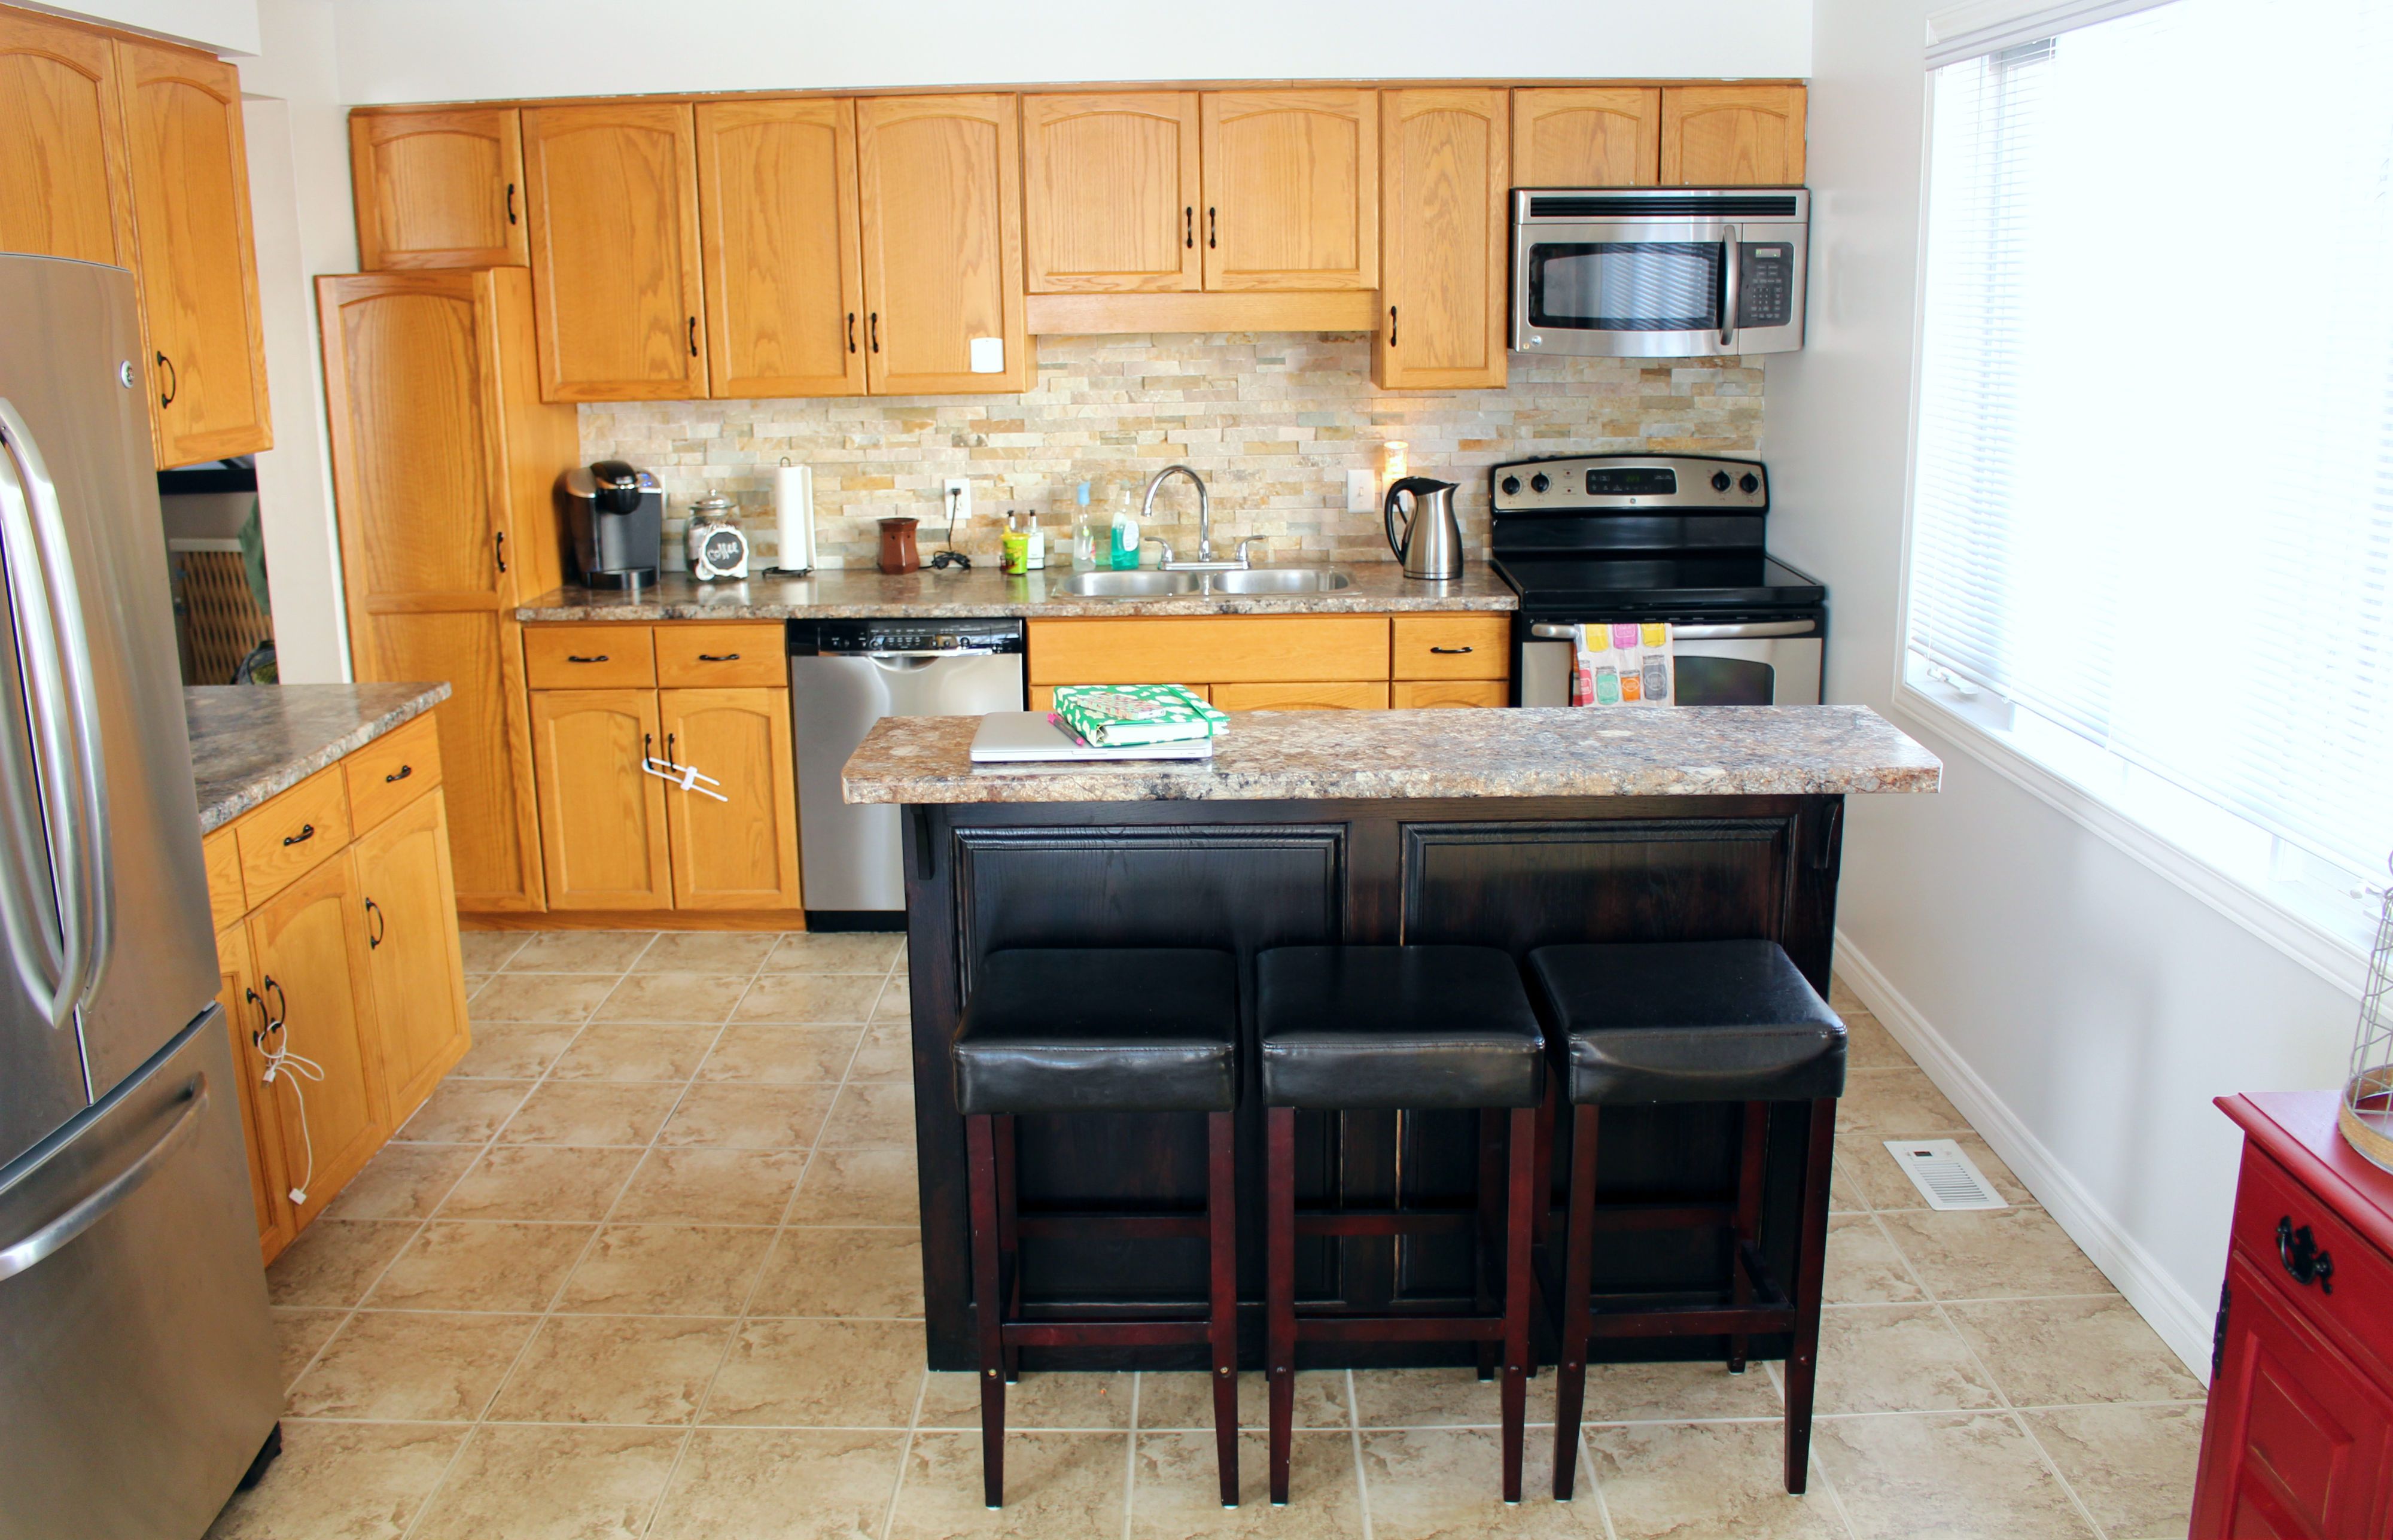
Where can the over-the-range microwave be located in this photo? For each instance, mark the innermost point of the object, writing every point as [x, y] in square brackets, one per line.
[1659, 272]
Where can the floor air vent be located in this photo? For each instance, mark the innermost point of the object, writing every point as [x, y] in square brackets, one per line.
[1946, 1177]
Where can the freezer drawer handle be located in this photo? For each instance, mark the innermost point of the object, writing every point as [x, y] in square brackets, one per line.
[20, 1255]
[306, 832]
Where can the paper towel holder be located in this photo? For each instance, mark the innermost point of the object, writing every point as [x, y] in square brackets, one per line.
[793, 521]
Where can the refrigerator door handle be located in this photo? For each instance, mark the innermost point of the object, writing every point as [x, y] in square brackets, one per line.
[28, 1251]
[74, 774]
[37, 934]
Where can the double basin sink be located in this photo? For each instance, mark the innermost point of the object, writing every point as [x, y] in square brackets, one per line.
[1155, 584]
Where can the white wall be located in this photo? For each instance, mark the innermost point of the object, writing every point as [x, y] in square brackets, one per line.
[2080, 1008]
[219, 26]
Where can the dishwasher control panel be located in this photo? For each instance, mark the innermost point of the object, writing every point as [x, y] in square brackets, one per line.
[905, 638]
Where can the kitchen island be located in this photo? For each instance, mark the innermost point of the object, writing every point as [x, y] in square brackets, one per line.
[1511, 828]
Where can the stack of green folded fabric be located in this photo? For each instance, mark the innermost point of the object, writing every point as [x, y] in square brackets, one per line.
[1114, 716]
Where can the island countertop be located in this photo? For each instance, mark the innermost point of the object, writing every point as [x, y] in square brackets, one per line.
[250, 741]
[1536, 751]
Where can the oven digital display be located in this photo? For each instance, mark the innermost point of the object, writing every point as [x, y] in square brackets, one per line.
[1632, 481]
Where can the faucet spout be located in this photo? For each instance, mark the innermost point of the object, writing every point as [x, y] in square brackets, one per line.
[1204, 506]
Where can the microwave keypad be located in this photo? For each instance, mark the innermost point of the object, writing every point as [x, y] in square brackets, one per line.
[1766, 280]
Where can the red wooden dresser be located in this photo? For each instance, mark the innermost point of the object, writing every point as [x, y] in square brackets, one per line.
[2299, 1438]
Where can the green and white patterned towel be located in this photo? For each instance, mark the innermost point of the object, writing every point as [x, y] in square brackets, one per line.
[1114, 715]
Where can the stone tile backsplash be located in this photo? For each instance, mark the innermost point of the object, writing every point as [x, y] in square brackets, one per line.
[1272, 422]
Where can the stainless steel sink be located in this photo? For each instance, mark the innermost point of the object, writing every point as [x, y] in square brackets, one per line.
[1279, 580]
[1130, 585]
[1151, 583]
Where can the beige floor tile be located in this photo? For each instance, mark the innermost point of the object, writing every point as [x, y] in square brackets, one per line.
[1668, 1393]
[402, 1181]
[299, 1332]
[513, 1051]
[727, 1116]
[2051, 1352]
[774, 1055]
[859, 1187]
[828, 1271]
[334, 1261]
[1864, 1164]
[895, 1003]
[411, 1366]
[666, 1269]
[1890, 1104]
[553, 1484]
[633, 1051]
[1185, 1401]
[1868, 1045]
[711, 1187]
[2132, 1467]
[1864, 1266]
[464, 1112]
[872, 1113]
[817, 998]
[567, 997]
[1441, 1398]
[834, 952]
[1052, 1401]
[580, 951]
[341, 1482]
[614, 1369]
[887, 1052]
[1176, 1492]
[819, 1374]
[2001, 1253]
[705, 952]
[1708, 1478]
[591, 1112]
[495, 1265]
[698, 998]
[1895, 1358]
[1058, 1486]
[1841, 997]
[741, 1483]
[541, 1182]
[1957, 1476]
[1446, 1483]
[488, 951]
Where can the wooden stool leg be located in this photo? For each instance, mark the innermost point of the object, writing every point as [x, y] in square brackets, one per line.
[1009, 1243]
[1521, 1195]
[980, 1144]
[1279, 1258]
[1578, 1281]
[1750, 1151]
[1810, 1263]
[1222, 1325]
[1545, 1177]
[1491, 1216]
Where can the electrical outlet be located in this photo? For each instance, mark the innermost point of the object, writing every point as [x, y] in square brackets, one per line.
[955, 499]
[1361, 495]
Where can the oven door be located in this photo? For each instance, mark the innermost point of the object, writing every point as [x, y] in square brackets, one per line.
[1739, 663]
[1657, 289]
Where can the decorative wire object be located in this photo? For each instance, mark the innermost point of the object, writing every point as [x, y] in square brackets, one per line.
[2367, 1116]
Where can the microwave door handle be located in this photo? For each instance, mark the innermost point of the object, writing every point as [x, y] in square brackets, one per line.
[1729, 281]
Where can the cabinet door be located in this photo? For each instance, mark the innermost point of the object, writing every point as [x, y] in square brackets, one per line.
[784, 258]
[1731, 136]
[62, 179]
[942, 188]
[1111, 188]
[198, 270]
[614, 251]
[413, 954]
[1596, 136]
[602, 819]
[261, 1127]
[740, 853]
[308, 948]
[438, 189]
[1445, 280]
[1291, 190]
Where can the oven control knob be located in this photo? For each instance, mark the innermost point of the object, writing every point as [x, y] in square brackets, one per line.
[1511, 484]
[1720, 481]
[1538, 483]
[1748, 482]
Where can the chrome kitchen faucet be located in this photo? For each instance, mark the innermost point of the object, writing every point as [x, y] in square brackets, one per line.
[1204, 562]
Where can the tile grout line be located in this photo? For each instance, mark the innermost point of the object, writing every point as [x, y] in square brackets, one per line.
[905, 1454]
[1130, 1457]
[1354, 1434]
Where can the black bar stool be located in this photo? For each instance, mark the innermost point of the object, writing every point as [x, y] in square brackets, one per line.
[1347, 1028]
[1065, 1030]
[1699, 1021]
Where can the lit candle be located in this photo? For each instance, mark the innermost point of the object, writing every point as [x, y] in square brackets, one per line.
[1391, 462]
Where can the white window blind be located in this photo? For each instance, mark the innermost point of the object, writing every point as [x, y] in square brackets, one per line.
[2153, 495]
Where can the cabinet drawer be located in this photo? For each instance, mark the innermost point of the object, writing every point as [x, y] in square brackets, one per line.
[225, 904]
[2363, 1297]
[293, 834]
[714, 656]
[392, 771]
[1453, 647]
[1415, 692]
[1218, 649]
[1323, 695]
[588, 658]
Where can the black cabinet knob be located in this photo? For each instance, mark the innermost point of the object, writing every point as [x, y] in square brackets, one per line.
[1720, 481]
[1511, 484]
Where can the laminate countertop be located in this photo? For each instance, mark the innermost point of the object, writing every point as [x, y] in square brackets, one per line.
[250, 741]
[1379, 588]
[1534, 751]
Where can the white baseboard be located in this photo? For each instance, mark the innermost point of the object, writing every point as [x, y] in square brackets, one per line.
[2183, 1322]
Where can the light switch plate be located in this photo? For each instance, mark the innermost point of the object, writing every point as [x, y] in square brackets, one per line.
[988, 354]
[1361, 495]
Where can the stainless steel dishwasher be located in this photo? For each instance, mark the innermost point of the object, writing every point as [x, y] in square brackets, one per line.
[845, 675]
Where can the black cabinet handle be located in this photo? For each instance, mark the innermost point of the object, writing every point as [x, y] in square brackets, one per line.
[1189, 215]
[501, 539]
[851, 331]
[399, 775]
[647, 747]
[174, 381]
[1451, 650]
[872, 325]
[1392, 326]
[377, 925]
[577, 658]
[511, 203]
[2304, 1261]
[1213, 228]
[718, 658]
[272, 1018]
[693, 336]
[306, 832]
[670, 757]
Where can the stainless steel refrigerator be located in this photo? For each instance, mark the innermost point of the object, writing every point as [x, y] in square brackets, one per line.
[137, 1368]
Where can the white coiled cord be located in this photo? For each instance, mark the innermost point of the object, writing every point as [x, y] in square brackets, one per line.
[293, 1068]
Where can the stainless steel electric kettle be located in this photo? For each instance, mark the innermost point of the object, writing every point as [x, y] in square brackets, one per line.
[1430, 541]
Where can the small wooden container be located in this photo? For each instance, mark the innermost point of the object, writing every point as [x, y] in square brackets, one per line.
[898, 553]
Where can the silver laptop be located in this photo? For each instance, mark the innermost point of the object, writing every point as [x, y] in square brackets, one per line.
[1011, 737]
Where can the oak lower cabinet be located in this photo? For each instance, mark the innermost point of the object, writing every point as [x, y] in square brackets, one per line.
[602, 815]
[440, 187]
[413, 958]
[261, 1118]
[738, 848]
[1283, 662]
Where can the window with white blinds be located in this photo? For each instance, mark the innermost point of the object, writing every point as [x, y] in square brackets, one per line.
[2153, 489]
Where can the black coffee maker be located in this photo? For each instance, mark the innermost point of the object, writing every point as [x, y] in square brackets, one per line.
[615, 516]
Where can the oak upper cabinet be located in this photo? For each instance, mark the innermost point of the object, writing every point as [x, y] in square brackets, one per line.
[1444, 278]
[1111, 193]
[741, 852]
[413, 954]
[941, 183]
[1291, 190]
[441, 188]
[613, 200]
[602, 819]
[63, 176]
[1731, 136]
[1586, 136]
[198, 272]
[782, 249]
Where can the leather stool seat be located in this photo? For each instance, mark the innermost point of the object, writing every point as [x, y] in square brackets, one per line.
[1096, 1029]
[1356, 1027]
[1705, 1021]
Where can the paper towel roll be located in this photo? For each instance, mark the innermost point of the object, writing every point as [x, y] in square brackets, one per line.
[793, 518]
